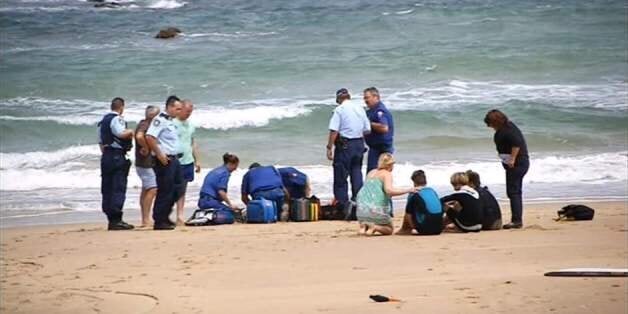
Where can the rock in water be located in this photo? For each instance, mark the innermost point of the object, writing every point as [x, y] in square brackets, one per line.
[110, 5]
[170, 32]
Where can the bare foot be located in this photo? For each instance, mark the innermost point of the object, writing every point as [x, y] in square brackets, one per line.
[362, 230]
[451, 228]
[403, 231]
[180, 222]
[370, 230]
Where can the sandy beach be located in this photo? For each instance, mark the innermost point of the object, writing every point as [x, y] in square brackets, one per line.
[319, 267]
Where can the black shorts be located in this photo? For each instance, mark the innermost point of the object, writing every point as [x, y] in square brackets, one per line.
[432, 224]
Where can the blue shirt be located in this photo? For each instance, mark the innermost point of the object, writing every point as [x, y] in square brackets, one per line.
[349, 119]
[216, 180]
[117, 126]
[261, 179]
[165, 131]
[294, 181]
[380, 114]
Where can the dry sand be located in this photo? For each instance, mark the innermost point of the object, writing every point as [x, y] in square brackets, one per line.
[320, 267]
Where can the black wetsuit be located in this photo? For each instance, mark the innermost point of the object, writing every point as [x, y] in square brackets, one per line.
[469, 219]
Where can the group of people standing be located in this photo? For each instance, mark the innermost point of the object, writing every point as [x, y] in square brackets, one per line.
[167, 158]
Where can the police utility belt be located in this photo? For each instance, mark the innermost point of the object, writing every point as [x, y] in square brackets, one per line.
[111, 149]
[343, 142]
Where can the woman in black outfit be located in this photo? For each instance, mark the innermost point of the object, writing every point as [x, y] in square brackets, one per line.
[513, 151]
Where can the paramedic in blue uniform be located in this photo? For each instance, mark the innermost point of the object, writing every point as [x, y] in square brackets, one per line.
[163, 140]
[115, 140]
[345, 146]
[296, 183]
[264, 182]
[380, 140]
[214, 190]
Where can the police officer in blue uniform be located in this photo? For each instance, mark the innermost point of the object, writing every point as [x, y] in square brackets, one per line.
[115, 140]
[296, 183]
[214, 190]
[264, 182]
[163, 140]
[345, 146]
[380, 140]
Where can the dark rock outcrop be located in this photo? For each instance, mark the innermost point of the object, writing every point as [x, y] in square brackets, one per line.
[170, 32]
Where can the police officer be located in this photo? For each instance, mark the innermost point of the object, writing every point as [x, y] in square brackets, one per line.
[115, 140]
[163, 140]
[380, 140]
[345, 146]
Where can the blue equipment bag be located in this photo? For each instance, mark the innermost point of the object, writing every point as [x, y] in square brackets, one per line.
[261, 211]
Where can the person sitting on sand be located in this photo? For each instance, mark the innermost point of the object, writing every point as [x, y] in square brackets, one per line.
[373, 199]
[265, 182]
[463, 207]
[424, 211]
[214, 190]
[491, 213]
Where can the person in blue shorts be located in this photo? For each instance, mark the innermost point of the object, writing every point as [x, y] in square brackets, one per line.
[265, 182]
[214, 190]
[424, 210]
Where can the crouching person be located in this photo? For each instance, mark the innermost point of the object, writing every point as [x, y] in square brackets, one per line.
[265, 182]
[297, 183]
[214, 190]
[424, 211]
[374, 205]
[463, 207]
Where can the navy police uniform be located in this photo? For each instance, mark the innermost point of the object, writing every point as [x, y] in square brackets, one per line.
[350, 121]
[114, 166]
[379, 143]
[169, 176]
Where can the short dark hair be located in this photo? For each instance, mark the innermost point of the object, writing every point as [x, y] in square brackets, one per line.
[171, 100]
[254, 165]
[474, 179]
[418, 177]
[230, 159]
[342, 98]
[117, 103]
[496, 119]
[371, 90]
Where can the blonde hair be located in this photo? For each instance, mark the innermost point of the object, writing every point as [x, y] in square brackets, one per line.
[385, 161]
[459, 178]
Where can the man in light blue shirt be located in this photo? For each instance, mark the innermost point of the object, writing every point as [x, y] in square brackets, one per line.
[163, 140]
[345, 147]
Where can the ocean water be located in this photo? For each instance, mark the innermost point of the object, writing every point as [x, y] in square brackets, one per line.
[262, 76]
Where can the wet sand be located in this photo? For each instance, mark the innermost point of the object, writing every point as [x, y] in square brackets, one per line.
[319, 267]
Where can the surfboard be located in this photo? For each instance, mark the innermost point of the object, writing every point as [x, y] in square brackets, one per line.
[589, 272]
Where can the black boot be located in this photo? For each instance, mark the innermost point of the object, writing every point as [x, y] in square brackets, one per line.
[513, 225]
[168, 225]
[120, 225]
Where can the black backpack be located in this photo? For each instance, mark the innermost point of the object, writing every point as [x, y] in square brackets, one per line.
[576, 212]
